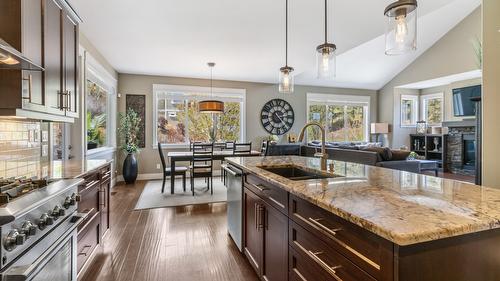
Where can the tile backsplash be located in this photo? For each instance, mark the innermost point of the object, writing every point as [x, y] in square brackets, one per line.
[21, 148]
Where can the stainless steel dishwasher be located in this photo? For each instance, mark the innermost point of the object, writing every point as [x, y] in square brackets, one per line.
[234, 184]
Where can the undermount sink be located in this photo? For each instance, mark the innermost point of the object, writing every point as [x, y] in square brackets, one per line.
[296, 173]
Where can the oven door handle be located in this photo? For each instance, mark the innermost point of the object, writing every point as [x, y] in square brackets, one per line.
[26, 273]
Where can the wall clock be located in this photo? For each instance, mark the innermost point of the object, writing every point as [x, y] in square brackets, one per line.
[277, 116]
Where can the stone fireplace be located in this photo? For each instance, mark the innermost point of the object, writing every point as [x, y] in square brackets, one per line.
[461, 148]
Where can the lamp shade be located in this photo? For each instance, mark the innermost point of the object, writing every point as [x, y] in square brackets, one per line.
[211, 106]
[379, 128]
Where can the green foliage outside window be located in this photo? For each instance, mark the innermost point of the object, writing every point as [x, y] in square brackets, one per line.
[434, 111]
[184, 119]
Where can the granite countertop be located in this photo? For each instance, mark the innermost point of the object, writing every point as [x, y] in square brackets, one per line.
[66, 169]
[402, 207]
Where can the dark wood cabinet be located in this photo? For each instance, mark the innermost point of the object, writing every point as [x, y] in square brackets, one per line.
[46, 32]
[265, 237]
[322, 246]
[53, 57]
[275, 253]
[70, 58]
[94, 200]
[252, 246]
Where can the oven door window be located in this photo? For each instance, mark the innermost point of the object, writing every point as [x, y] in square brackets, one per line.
[59, 267]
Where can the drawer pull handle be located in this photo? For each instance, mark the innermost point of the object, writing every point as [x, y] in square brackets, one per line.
[83, 252]
[324, 265]
[276, 202]
[322, 226]
[261, 187]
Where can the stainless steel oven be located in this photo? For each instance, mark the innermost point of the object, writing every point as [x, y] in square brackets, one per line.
[52, 258]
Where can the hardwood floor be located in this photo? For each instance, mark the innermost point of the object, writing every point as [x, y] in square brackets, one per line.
[182, 243]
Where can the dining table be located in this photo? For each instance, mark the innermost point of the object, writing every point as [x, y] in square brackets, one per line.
[176, 156]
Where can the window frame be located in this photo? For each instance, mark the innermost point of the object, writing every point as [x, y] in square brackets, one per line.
[424, 99]
[96, 73]
[415, 110]
[197, 93]
[343, 100]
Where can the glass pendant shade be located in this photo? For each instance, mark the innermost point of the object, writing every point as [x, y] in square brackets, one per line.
[401, 31]
[326, 61]
[286, 80]
[211, 106]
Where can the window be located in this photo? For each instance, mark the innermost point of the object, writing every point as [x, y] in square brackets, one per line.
[178, 122]
[409, 110]
[345, 118]
[100, 107]
[96, 117]
[432, 109]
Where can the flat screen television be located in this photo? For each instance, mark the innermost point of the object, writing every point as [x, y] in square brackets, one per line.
[462, 105]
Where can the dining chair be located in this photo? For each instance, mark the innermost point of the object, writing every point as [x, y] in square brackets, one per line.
[242, 148]
[167, 171]
[228, 146]
[202, 164]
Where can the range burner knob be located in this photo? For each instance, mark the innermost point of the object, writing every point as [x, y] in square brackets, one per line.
[14, 239]
[75, 197]
[28, 229]
[67, 203]
[43, 221]
[57, 212]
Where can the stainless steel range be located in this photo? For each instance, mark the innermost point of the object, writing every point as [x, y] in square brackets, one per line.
[38, 221]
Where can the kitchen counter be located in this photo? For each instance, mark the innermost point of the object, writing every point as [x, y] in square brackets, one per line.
[402, 207]
[73, 168]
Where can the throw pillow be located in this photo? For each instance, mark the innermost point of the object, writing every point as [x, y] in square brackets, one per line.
[398, 155]
[384, 152]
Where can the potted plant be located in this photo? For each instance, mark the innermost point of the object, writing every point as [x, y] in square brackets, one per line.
[129, 126]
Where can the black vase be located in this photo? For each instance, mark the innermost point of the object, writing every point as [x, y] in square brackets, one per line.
[130, 168]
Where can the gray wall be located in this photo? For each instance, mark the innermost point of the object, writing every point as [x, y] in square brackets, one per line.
[256, 95]
[491, 93]
[452, 54]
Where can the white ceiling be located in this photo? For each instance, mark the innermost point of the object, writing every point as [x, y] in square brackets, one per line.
[246, 38]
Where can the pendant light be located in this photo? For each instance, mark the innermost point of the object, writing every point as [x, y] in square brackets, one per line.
[325, 56]
[211, 106]
[285, 75]
[401, 32]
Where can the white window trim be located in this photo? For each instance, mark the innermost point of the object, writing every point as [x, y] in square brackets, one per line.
[415, 110]
[423, 109]
[96, 73]
[336, 99]
[223, 94]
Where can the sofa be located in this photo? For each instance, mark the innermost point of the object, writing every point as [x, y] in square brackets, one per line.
[374, 156]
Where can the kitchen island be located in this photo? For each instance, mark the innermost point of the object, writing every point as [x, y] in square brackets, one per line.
[361, 222]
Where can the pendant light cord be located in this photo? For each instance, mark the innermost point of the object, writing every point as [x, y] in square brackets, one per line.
[286, 33]
[211, 82]
[326, 21]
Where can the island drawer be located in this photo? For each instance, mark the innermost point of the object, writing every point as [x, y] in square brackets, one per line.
[318, 257]
[273, 195]
[365, 249]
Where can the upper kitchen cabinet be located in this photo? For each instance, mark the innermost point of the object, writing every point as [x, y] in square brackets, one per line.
[46, 32]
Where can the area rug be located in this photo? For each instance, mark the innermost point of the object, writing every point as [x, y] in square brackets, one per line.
[152, 197]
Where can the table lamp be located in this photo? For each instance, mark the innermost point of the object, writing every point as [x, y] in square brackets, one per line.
[379, 129]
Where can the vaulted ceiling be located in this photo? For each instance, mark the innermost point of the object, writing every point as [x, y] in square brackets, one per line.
[246, 38]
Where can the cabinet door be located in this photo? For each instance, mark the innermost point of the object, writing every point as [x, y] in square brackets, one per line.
[32, 47]
[104, 205]
[70, 39]
[275, 258]
[253, 232]
[53, 58]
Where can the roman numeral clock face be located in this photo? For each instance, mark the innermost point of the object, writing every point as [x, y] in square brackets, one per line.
[277, 116]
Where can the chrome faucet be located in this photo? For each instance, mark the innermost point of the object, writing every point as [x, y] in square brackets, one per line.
[322, 155]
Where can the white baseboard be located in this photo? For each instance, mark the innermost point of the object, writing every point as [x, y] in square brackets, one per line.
[156, 176]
